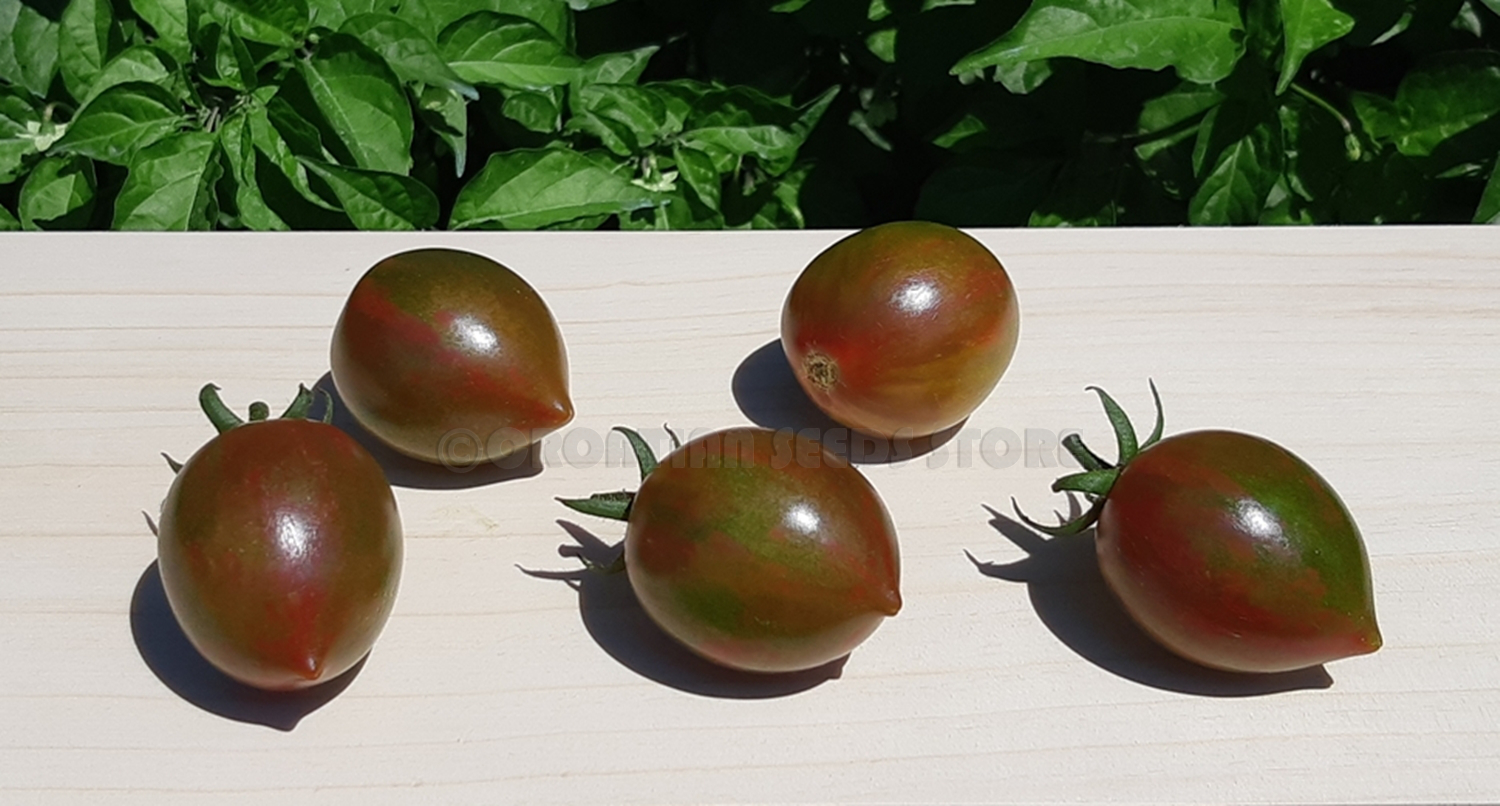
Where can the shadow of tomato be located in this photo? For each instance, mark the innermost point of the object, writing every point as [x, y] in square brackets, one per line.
[404, 471]
[171, 657]
[617, 623]
[1072, 599]
[768, 393]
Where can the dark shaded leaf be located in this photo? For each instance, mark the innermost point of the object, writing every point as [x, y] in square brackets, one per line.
[238, 144]
[986, 189]
[447, 114]
[1489, 203]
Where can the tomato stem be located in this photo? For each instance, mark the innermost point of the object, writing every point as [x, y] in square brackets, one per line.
[219, 414]
[644, 456]
[1098, 476]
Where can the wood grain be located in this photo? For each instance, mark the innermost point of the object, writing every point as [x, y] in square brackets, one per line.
[1372, 353]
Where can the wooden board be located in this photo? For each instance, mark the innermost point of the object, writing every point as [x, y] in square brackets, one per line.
[1371, 353]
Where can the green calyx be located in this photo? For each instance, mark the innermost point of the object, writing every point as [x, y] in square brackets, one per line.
[224, 419]
[616, 505]
[1098, 476]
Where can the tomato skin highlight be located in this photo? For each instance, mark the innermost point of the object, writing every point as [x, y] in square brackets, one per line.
[901, 330]
[1235, 554]
[437, 341]
[758, 551]
[280, 552]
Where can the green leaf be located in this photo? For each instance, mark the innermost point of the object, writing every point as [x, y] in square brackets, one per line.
[1378, 116]
[447, 114]
[1023, 77]
[539, 111]
[8, 222]
[362, 101]
[697, 169]
[122, 120]
[332, 14]
[236, 139]
[409, 52]
[616, 68]
[226, 59]
[533, 188]
[171, 185]
[20, 126]
[28, 47]
[504, 50]
[1243, 172]
[626, 118]
[1309, 25]
[1448, 95]
[59, 192]
[169, 18]
[84, 44]
[433, 16]
[1489, 203]
[1172, 118]
[1201, 39]
[143, 63]
[282, 23]
[377, 200]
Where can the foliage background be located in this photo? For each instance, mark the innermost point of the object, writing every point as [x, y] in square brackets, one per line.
[675, 114]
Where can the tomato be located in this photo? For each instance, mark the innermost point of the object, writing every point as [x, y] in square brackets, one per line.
[1227, 549]
[450, 357]
[901, 330]
[280, 548]
[757, 550]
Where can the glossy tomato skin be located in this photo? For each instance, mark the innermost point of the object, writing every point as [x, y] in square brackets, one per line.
[280, 551]
[760, 552]
[434, 343]
[1235, 554]
[901, 329]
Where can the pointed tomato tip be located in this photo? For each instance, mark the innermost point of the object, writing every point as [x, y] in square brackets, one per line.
[889, 601]
[1372, 640]
[310, 669]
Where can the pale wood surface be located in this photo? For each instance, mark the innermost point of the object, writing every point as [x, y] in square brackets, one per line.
[1372, 353]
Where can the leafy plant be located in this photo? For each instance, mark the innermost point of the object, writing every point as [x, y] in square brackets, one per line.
[671, 114]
